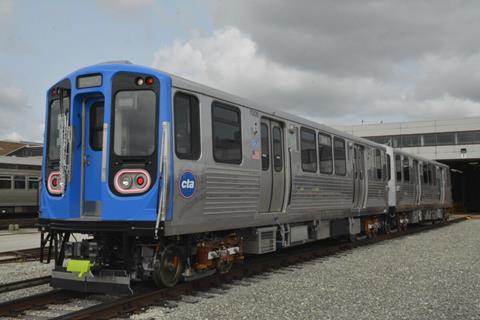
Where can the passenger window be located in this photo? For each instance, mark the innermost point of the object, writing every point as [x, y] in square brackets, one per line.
[325, 153]
[187, 126]
[378, 164]
[277, 149]
[226, 127]
[406, 169]
[96, 126]
[265, 146]
[19, 182]
[339, 155]
[32, 182]
[5, 182]
[309, 150]
[398, 167]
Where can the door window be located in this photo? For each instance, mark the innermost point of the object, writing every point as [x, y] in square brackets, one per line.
[378, 164]
[398, 168]
[406, 169]
[277, 149]
[265, 146]
[96, 126]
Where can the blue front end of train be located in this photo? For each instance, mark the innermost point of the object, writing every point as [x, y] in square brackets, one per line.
[107, 128]
[114, 115]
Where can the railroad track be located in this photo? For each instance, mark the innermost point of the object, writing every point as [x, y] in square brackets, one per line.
[253, 271]
[38, 301]
[23, 284]
[20, 255]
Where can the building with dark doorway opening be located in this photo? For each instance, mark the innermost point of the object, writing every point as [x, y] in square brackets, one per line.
[453, 142]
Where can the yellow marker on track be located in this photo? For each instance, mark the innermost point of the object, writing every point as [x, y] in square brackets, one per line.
[80, 266]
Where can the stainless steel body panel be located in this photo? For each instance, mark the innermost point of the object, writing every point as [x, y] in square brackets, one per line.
[232, 196]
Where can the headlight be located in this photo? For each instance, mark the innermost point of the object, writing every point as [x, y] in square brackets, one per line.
[126, 181]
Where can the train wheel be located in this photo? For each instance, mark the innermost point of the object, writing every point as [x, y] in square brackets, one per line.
[168, 268]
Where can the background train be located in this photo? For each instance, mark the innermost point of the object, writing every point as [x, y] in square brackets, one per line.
[175, 180]
[19, 182]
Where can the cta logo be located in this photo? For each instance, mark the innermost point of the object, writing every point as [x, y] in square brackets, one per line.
[187, 184]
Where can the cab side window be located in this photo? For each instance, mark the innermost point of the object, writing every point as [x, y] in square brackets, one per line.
[187, 126]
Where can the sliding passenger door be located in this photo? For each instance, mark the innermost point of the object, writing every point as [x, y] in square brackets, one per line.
[273, 166]
[92, 146]
[358, 176]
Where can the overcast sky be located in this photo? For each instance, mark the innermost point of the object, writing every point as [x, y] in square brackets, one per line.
[338, 62]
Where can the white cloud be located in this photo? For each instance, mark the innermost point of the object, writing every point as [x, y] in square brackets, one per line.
[230, 60]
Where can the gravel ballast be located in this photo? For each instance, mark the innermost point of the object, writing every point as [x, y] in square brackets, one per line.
[432, 275]
[11, 272]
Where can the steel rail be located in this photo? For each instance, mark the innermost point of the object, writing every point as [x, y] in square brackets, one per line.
[20, 255]
[15, 307]
[22, 284]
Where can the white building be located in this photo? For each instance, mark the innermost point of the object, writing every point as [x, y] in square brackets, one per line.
[454, 142]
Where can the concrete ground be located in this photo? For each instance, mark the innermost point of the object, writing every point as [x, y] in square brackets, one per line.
[432, 275]
[17, 240]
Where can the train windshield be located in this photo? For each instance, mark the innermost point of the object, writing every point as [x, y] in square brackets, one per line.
[134, 125]
[53, 132]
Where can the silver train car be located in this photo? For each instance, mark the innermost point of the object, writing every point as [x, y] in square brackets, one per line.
[419, 188]
[19, 183]
[233, 178]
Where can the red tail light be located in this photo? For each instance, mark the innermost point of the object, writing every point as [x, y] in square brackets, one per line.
[140, 181]
[149, 81]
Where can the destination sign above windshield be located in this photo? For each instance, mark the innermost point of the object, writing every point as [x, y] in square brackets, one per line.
[89, 81]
